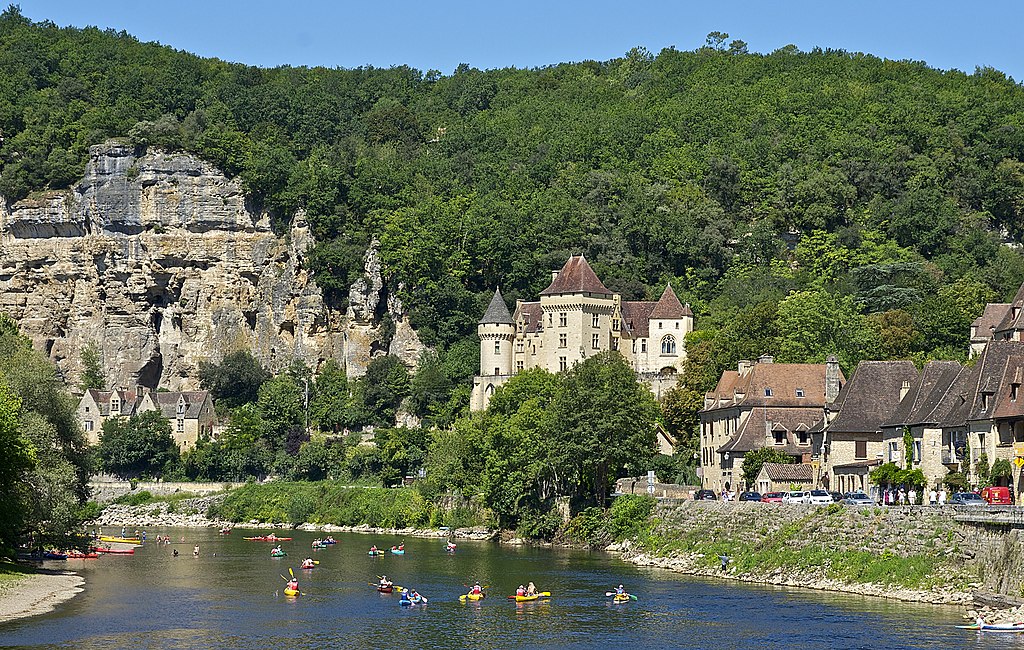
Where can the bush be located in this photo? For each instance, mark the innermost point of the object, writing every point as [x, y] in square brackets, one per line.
[135, 498]
[628, 515]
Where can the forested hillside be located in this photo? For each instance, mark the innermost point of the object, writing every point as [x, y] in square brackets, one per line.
[804, 203]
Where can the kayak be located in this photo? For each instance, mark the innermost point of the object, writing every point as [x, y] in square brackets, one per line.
[621, 598]
[291, 592]
[994, 627]
[308, 566]
[268, 539]
[385, 590]
[397, 552]
[281, 554]
[116, 551]
[53, 555]
[526, 599]
[83, 556]
[406, 602]
[121, 540]
[375, 553]
[225, 531]
[465, 597]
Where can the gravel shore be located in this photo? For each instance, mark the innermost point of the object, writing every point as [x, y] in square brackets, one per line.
[38, 593]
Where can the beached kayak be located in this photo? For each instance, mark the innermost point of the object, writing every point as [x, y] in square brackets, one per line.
[121, 540]
[53, 555]
[83, 556]
[994, 627]
[116, 551]
[465, 597]
[526, 599]
[268, 539]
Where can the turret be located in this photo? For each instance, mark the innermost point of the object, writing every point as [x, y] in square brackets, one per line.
[496, 331]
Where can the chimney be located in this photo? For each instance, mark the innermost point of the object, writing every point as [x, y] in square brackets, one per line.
[554, 275]
[904, 389]
[831, 379]
[744, 367]
[766, 358]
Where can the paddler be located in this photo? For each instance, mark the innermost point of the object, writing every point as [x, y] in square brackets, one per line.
[620, 590]
[293, 584]
[195, 551]
[373, 549]
[384, 582]
[521, 591]
[531, 589]
[476, 589]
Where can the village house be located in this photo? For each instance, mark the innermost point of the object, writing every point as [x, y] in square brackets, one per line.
[576, 317]
[763, 404]
[852, 443]
[191, 413]
[781, 477]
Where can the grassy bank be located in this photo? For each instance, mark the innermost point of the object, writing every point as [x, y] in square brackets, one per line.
[327, 502]
[833, 542]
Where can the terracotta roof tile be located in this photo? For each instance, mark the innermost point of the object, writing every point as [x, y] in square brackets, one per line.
[755, 430]
[776, 384]
[985, 325]
[531, 315]
[636, 315]
[668, 306]
[576, 277]
[788, 472]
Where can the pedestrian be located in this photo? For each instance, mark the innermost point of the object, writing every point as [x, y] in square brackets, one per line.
[942, 496]
[933, 497]
[901, 497]
[912, 497]
[725, 561]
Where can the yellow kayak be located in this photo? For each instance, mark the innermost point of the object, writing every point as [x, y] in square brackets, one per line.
[465, 597]
[121, 540]
[621, 598]
[291, 592]
[526, 599]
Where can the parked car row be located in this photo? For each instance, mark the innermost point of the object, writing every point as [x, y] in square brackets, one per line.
[821, 497]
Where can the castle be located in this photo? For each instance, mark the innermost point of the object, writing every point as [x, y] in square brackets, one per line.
[577, 316]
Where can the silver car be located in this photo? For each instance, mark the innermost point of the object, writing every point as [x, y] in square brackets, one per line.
[858, 499]
[796, 496]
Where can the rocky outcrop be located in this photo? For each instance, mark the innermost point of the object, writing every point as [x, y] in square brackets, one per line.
[158, 260]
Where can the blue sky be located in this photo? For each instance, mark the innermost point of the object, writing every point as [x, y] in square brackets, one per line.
[528, 33]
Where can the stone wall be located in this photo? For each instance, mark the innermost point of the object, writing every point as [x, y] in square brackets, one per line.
[105, 489]
[158, 259]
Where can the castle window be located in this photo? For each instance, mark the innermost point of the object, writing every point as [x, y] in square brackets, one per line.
[860, 449]
[519, 347]
[668, 345]
[643, 345]
[799, 392]
[519, 366]
[677, 324]
[86, 409]
[561, 319]
[181, 425]
[563, 340]
[596, 341]
[562, 365]
[660, 324]
[497, 347]
[550, 317]
[615, 324]
[88, 425]
[615, 344]
[767, 392]
[596, 320]
[497, 371]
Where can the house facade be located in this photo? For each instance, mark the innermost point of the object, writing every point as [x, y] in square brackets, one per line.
[780, 477]
[852, 442]
[191, 413]
[576, 317]
[764, 404]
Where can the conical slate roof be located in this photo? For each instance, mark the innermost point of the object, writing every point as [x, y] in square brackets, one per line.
[669, 306]
[497, 312]
[576, 277]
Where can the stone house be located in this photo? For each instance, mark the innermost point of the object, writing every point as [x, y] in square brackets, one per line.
[575, 317]
[780, 477]
[983, 329]
[852, 443]
[190, 413]
[762, 404]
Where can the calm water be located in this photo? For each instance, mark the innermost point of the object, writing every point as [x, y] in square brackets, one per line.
[234, 599]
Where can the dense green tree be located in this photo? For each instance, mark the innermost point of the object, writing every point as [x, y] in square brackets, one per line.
[18, 458]
[92, 369]
[329, 408]
[385, 385]
[235, 381]
[136, 446]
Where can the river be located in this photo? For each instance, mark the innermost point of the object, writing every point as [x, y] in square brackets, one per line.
[231, 596]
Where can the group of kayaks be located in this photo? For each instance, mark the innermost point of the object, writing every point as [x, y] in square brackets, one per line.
[395, 550]
[982, 626]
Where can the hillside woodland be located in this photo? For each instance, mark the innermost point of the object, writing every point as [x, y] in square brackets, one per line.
[803, 203]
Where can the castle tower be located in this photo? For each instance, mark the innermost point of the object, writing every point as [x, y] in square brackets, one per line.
[496, 331]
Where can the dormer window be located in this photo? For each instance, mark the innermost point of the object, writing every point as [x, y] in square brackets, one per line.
[803, 438]
[984, 401]
[780, 437]
[767, 392]
[1013, 392]
[799, 392]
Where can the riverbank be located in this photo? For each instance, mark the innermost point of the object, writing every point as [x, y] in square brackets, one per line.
[36, 592]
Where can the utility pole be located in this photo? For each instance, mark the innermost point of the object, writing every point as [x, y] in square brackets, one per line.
[305, 404]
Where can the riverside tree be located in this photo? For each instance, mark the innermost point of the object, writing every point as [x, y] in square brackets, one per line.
[140, 445]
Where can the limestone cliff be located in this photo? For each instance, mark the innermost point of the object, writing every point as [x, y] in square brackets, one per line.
[158, 260]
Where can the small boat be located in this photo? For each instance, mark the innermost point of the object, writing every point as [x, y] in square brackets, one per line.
[307, 566]
[330, 540]
[994, 627]
[77, 555]
[621, 598]
[398, 551]
[450, 547]
[375, 553]
[277, 554]
[116, 551]
[291, 592]
[407, 601]
[527, 599]
[465, 597]
[268, 538]
[54, 555]
[225, 531]
[121, 540]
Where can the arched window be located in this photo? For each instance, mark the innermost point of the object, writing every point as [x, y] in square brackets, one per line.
[668, 345]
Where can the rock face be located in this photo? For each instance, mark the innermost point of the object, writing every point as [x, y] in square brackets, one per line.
[157, 259]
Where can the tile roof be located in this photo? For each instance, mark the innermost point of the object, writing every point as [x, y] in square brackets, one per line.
[669, 307]
[984, 326]
[788, 472]
[636, 315]
[167, 402]
[986, 376]
[925, 395]
[858, 464]
[129, 399]
[576, 277]
[497, 311]
[531, 316]
[1009, 322]
[871, 395]
[761, 422]
[782, 380]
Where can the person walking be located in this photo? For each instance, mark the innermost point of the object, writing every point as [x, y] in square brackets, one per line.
[933, 497]
[942, 496]
[912, 497]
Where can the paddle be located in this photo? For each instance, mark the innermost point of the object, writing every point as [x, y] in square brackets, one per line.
[612, 593]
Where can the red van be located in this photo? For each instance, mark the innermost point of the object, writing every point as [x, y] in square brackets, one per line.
[996, 495]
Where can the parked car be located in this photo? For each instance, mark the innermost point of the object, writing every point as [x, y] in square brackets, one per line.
[836, 496]
[772, 497]
[750, 496]
[967, 499]
[796, 496]
[997, 495]
[819, 497]
[705, 495]
[858, 499]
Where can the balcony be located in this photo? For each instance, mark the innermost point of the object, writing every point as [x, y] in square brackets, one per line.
[949, 457]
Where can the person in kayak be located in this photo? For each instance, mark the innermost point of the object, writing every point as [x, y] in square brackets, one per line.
[276, 549]
[450, 547]
[476, 589]
[414, 596]
[531, 589]
[293, 584]
[384, 582]
[308, 563]
[620, 590]
[521, 591]
[373, 549]
[195, 551]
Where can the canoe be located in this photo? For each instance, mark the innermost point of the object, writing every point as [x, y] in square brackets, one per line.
[121, 540]
[397, 552]
[268, 539]
[465, 597]
[291, 592]
[994, 627]
[526, 599]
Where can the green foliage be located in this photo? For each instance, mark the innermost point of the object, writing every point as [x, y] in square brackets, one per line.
[1001, 469]
[137, 446]
[134, 498]
[890, 474]
[753, 461]
[92, 373]
[956, 482]
[18, 458]
[908, 448]
[234, 381]
[385, 385]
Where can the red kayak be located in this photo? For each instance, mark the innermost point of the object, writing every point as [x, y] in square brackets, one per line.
[268, 539]
[385, 590]
[83, 556]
